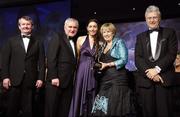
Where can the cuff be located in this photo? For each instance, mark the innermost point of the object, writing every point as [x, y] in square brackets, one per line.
[158, 69]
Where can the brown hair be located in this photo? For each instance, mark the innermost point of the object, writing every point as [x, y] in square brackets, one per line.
[97, 36]
[26, 18]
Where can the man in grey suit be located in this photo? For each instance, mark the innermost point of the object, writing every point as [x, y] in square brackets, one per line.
[61, 62]
[22, 68]
[155, 53]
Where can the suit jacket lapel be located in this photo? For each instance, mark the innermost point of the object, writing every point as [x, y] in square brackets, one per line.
[159, 45]
[68, 44]
[148, 46]
[31, 42]
[21, 43]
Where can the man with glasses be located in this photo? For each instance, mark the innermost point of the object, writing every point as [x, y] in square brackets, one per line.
[155, 52]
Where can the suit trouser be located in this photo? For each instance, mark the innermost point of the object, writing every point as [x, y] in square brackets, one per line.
[57, 101]
[20, 98]
[156, 101]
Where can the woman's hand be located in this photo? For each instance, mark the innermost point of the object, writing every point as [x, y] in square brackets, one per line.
[104, 65]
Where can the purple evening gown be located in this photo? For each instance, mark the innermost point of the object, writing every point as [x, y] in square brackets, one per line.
[84, 87]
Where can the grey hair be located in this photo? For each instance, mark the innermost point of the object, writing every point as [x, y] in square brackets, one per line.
[27, 18]
[71, 20]
[152, 8]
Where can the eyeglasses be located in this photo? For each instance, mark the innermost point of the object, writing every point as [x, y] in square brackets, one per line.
[152, 18]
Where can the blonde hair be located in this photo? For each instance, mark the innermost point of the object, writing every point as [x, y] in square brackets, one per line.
[109, 26]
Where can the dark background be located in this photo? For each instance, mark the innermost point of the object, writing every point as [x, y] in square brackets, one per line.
[106, 10]
[117, 10]
[121, 10]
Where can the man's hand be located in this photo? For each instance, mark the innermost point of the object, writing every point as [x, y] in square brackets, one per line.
[158, 78]
[151, 73]
[39, 83]
[6, 83]
[55, 82]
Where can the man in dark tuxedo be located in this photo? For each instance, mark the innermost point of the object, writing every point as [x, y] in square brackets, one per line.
[61, 62]
[22, 68]
[155, 52]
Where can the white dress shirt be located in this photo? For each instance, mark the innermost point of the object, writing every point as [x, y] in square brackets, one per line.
[73, 47]
[26, 43]
[153, 41]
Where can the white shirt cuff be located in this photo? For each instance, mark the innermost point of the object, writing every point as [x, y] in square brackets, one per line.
[158, 69]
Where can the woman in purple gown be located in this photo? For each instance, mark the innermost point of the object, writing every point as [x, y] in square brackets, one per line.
[85, 84]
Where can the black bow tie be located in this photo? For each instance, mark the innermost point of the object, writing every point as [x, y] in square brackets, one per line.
[154, 30]
[71, 38]
[25, 36]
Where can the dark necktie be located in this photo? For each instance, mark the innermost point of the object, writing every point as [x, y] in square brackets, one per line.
[154, 30]
[26, 36]
[70, 38]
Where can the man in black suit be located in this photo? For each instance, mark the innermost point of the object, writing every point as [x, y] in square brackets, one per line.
[61, 62]
[22, 68]
[155, 53]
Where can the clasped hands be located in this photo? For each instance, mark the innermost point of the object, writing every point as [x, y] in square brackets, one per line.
[152, 74]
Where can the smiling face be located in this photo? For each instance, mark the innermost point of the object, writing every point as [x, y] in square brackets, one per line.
[71, 27]
[92, 28]
[153, 20]
[25, 26]
[107, 34]
[108, 31]
[153, 17]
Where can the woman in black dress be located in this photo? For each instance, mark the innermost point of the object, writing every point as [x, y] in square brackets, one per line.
[114, 96]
